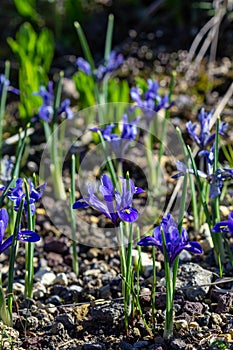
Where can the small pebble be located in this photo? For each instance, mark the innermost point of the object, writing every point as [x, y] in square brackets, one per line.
[51, 308]
[181, 324]
[215, 319]
[194, 325]
[45, 276]
[143, 344]
[125, 346]
[94, 346]
[61, 279]
[66, 320]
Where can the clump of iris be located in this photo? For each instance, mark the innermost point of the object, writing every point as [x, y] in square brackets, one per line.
[120, 142]
[170, 241]
[114, 61]
[22, 236]
[150, 101]
[115, 206]
[47, 109]
[17, 194]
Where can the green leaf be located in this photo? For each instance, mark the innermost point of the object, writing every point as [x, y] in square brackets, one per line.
[26, 8]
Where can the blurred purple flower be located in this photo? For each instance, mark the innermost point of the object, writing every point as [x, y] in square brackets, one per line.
[16, 194]
[83, 65]
[204, 137]
[23, 236]
[151, 101]
[175, 242]
[5, 84]
[112, 64]
[215, 179]
[119, 143]
[7, 165]
[224, 226]
[46, 111]
[116, 206]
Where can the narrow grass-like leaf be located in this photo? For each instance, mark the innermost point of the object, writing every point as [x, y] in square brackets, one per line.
[108, 41]
[13, 257]
[73, 221]
[29, 248]
[85, 46]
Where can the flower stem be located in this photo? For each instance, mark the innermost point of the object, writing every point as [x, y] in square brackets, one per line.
[29, 249]
[73, 222]
[168, 327]
[12, 258]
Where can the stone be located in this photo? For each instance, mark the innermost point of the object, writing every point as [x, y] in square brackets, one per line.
[105, 292]
[191, 275]
[66, 320]
[185, 256]
[178, 344]
[107, 313]
[215, 319]
[142, 344]
[225, 301]
[51, 308]
[32, 323]
[125, 346]
[203, 320]
[45, 276]
[146, 262]
[94, 346]
[54, 299]
[18, 288]
[93, 252]
[193, 308]
[58, 329]
[61, 279]
[53, 244]
[194, 325]
[180, 324]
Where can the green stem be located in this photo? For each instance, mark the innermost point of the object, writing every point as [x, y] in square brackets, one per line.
[73, 221]
[191, 181]
[85, 46]
[109, 162]
[13, 257]
[108, 41]
[164, 127]
[29, 249]
[205, 207]
[168, 328]
[153, 290]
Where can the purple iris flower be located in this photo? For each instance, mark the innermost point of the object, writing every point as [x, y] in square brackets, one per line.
[215, 179]
[16, 194]
[112, 64]
[224, 226]
[83, 65]
[23, 236]
[116, 206]
[46, 111]
[175, 242]
[119, 143]
[204, 137]
[7, 165]
[151, 101]
[5, 84]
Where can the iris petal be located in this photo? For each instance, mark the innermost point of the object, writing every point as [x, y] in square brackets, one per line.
[128, 215]
[28, 236]
[148, 241]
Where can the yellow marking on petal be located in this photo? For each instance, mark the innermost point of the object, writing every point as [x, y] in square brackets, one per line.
[127, 211]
